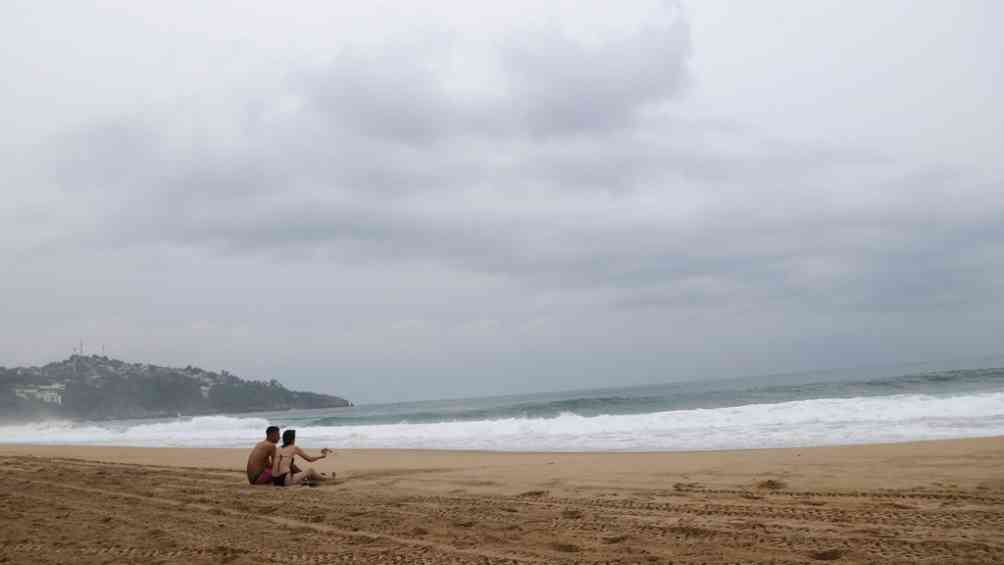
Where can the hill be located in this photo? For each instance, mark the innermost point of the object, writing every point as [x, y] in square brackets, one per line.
[95, 387]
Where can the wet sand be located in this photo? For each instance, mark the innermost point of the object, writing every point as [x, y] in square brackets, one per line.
[926, 502]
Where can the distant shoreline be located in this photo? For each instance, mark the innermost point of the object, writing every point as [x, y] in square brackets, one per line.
[86, 388]
[165, 416]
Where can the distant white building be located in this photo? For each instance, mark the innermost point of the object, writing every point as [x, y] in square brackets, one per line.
[52, 394]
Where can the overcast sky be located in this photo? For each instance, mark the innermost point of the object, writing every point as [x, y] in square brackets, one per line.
[439, 200]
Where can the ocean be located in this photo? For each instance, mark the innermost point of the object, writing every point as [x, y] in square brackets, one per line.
[792, 410]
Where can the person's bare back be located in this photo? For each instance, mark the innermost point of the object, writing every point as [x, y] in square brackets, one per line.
[261, 457]
[285, 473]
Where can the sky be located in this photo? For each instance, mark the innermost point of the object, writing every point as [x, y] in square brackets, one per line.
[440, 200]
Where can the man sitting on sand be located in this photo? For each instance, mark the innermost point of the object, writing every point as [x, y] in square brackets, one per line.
[284, 473]
[260, 461]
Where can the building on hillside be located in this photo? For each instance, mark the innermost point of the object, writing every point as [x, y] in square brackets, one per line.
[51, 394]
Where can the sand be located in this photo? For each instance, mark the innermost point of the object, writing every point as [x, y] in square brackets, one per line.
[927, 502]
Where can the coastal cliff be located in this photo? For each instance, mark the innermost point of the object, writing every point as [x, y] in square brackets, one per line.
[95, 387]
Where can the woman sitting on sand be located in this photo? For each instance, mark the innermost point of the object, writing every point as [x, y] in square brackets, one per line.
[282, 463]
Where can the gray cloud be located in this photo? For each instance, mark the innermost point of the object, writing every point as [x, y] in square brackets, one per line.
[564, 87]
[559, 199]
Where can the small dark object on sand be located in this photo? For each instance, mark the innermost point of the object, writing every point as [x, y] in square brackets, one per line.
[827, 555]
[772, 484]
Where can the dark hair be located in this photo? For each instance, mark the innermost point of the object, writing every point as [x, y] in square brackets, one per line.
[271, 430]
[288, 437]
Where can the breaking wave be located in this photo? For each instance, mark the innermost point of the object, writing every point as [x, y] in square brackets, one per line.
[820, 421]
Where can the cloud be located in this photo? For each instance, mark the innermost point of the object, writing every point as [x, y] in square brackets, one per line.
[551, 180]
[574, 175]
[560, 86]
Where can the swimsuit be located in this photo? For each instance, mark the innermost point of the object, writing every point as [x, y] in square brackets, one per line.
[265, 474]
[280, 481]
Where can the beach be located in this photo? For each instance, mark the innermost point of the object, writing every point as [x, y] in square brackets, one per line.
[922, 502]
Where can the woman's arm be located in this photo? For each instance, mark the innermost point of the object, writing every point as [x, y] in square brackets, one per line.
[301, 453]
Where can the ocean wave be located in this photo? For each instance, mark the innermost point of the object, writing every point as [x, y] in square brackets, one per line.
[207, 431]
[585, 406]
[666, 397]
[825, 421]
[985, 376]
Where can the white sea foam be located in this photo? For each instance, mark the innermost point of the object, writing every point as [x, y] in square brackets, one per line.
[798, 423]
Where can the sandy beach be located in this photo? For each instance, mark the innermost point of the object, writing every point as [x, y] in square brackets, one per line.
[925, 502]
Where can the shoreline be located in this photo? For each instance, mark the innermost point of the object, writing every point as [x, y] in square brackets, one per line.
[963, 461]
[4, 445]
[101, 446]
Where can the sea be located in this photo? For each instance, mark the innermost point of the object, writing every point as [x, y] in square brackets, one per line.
[846, 406]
